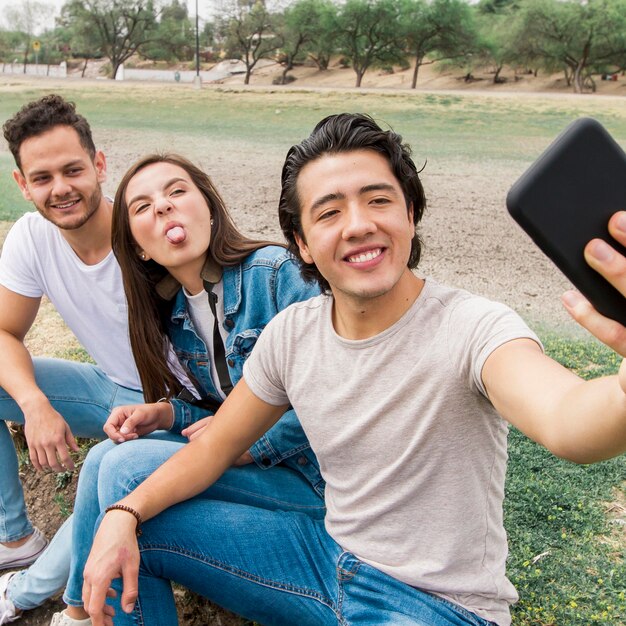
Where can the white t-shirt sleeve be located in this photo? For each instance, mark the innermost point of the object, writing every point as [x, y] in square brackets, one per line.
[477, 327]
[17, 261]
[262, 371]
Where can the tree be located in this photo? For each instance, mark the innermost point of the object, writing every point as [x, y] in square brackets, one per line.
[497, 41]
[439, 29]
[174, 37]
[580, 36]
[368, 34]
[119, 27]
[303, 29]
[26, 18]
[249, 35]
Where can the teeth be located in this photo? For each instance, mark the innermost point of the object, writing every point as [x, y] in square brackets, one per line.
[366, 256]
[66, 205]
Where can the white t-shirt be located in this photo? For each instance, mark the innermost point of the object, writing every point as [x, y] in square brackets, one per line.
[412, 451]
[36, 260]
[203, 320]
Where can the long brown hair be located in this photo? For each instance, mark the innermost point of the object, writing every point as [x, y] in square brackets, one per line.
[147, 311]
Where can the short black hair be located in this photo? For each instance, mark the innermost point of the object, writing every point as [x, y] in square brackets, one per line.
[346, 132]
[42, 115]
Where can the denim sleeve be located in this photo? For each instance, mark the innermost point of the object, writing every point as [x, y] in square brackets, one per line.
[185, 414]
[286, 438]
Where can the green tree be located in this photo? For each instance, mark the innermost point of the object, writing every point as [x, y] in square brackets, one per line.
[324, 33]
[580, 37]
[117, 27]
[437, 30]
[174, 37]
[249, 35]
[368, 34]
[303, 28]
[9, 44]
[26, 18]
[498, 44]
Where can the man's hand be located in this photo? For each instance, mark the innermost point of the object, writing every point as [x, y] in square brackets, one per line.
[135, 420]
[114, 553]
[612, 265]
[49, 439]
[193, 431]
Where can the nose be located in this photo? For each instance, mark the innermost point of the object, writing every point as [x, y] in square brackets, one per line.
[60, 187]
[163, 205]
[358, 223]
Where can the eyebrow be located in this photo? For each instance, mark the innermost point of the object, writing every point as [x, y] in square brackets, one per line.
[169, 183]
[330, 197]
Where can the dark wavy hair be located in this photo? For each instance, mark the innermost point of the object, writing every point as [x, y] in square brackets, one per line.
[43, 115]
[346, 132]
[147, 310]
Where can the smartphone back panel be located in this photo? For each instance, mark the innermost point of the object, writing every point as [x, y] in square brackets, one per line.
[566, 198]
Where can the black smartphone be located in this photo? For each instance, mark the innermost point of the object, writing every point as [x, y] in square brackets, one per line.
[566, 198]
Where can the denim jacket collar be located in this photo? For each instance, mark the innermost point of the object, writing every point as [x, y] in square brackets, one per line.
[168, 287]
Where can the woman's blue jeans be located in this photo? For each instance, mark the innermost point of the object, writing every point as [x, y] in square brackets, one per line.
[272, 566]
[130, 463]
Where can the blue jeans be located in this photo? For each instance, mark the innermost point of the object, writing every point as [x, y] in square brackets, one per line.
[84, 396]
[270, 566]
[274, 488]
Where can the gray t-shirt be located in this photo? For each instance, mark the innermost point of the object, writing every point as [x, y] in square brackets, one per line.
[413, 453]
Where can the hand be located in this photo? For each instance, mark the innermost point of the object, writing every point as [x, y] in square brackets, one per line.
[114, 553]
[49, 438]
[193, 431]
[135, 420]
[612, 265]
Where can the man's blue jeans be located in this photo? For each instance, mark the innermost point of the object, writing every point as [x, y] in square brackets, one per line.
[84, 396]
[274, 488]
[271, 566]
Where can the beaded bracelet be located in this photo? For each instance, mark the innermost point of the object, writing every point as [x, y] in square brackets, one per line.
[123, 507]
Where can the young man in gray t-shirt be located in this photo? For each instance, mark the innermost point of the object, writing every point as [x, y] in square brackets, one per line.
[405, 389]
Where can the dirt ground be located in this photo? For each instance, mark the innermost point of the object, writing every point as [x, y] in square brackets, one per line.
[485, 253]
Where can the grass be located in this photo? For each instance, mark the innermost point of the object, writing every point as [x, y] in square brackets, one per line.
[566, 556]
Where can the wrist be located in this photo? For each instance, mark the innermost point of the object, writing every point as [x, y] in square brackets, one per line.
[130, 511]
[33, 403]
[166, 419]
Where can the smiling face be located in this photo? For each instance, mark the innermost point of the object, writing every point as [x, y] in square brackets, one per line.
[169, 219]
[59, 177]
[356, 224]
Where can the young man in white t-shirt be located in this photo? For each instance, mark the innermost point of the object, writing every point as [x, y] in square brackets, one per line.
[62, 251]
[405, 389]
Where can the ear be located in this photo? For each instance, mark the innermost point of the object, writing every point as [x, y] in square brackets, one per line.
[100, 163]
[304, 249]
[144, 256]
[21, 183]
[410, 213]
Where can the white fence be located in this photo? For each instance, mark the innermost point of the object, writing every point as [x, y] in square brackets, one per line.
[32, 69]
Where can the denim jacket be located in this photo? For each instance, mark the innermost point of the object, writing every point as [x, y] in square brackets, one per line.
[267, 281]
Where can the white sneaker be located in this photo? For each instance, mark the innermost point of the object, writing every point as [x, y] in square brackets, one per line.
[8, 613]
[25, 554]
[62, 619]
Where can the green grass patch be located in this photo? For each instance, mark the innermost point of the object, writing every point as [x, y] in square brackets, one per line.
[12, 204]
[566, 557]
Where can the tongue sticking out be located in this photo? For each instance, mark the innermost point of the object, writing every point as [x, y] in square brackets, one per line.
[176, 234]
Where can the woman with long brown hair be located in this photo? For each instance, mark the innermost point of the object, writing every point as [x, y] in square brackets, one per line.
[199, 293]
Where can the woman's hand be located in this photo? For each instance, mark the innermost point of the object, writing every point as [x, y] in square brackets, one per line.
[193, 431]
[114, 553]
[135, 420]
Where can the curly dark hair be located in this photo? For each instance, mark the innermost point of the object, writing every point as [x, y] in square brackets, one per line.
[346, 132]
[42, 115]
